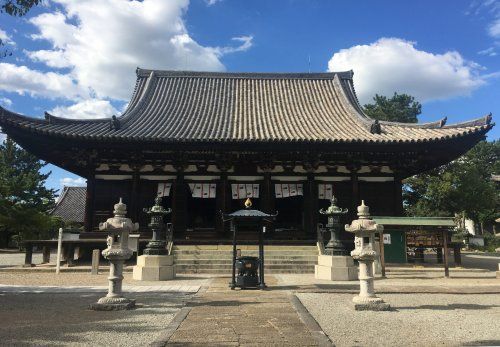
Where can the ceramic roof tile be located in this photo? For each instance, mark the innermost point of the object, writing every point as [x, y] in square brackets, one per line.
[179, 106]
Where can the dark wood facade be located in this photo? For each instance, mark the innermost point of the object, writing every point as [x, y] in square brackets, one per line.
[222, 128]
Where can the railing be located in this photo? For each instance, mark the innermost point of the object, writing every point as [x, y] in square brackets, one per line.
[170, 238]
[321, 242]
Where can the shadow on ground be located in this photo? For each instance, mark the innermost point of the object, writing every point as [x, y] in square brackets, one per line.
[64, 319]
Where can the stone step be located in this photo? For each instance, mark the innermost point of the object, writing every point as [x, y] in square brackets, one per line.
[276, 253]
[227, 269]
[274, 257]
[228, 262]
[242, 247]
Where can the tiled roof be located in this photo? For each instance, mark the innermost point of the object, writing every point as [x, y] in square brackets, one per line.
[179, 106]
[70, 206]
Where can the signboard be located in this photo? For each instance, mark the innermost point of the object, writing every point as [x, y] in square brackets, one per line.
[387, 239]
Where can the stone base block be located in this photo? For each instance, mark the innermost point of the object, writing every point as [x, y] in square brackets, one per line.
[335, 268]
[498, 274]
[335, 260]
[154, 268]
[113, 304]
[370, 304]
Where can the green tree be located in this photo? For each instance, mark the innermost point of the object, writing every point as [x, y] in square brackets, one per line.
[24, 199]
[399, 108]
[462, 187]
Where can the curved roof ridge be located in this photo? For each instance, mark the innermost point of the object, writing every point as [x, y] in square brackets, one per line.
[141, 99]
[481, 121]
[6, 114]
[56, 119]
[244, 75]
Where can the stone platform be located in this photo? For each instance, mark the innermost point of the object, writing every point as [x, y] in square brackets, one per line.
[335, 268]
[154, 268]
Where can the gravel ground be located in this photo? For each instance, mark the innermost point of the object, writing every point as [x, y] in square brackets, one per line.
[86, 279]
[417, 320]
[64, 320]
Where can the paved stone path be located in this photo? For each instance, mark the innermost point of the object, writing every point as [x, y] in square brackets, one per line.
[223, 317]
[4, 288]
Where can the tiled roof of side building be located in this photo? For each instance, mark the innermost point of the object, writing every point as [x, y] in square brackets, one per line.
[181, 106]
[70, 206]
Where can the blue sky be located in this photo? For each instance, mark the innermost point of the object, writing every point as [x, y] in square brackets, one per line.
[77, 58]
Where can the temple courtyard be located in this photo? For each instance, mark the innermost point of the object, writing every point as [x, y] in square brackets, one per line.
[39, 307]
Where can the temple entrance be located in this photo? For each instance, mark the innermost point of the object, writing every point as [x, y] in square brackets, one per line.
[289, 203]
[240, 192]
[201, 210]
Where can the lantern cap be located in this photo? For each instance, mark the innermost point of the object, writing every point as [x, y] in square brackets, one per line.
[363, 210]
[120, 209]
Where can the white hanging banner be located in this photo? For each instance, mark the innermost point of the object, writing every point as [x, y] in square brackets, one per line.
[164, 189]
[203, 190]
[325, 191]
[285, 190]
[243, 191]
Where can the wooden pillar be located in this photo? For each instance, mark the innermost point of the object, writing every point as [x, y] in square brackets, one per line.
[382, 252]
[222, 204]
[311, 206]
[179, 205]
[445, 251]
[356, 200]
[89, 203]
[46, 254]
[457, 254]
[134, 194]
[28, 256]
[398, 196]
[267, 194]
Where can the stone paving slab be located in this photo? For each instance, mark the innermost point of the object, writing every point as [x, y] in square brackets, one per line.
[93, 289]
[224, 317]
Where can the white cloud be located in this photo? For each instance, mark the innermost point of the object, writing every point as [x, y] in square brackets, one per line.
[6, 102]
[86, 109]
[23, 80]
[494, 28]
[490, 52]
[5, 38]
[102, 48]
[246, 42]
[212, 2]
[394, 65]
[73, 182]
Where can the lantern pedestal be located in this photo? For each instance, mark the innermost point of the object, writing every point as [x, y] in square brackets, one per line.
[335, 268]
[154, 268]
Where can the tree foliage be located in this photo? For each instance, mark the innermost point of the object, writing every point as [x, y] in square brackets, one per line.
[463, 186]
[24, 199]
[399, 108]
[16, 8]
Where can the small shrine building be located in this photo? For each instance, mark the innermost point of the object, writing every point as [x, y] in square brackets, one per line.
[206, 141]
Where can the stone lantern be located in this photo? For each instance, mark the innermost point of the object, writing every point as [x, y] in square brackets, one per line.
[158, 244]
[335, 264]
[364, 252]
[334, 213]
[118, 229]
[155, 264]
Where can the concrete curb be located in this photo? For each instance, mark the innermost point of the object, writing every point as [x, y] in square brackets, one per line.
[317, 333]
[171, 328]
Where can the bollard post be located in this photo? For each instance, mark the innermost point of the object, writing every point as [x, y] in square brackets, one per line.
[59, 246]
[96, 254]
